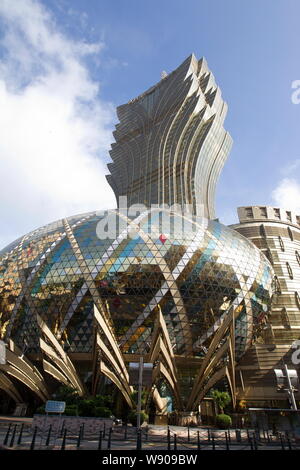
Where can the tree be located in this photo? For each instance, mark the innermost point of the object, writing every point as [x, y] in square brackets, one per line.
[132, 415]
[134, 398]
[99, 406]
[67, 394]
[222, 399]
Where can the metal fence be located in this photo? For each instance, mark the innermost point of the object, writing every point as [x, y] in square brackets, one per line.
[22, 436]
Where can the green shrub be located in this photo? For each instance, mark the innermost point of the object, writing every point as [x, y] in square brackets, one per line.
[71, 410]
[40, 410]
[132, 417]
[86, 408]
[67, 394]
[93, 407]
[99, 406]
[103, 400]
[223, 421]
[102, 412]
[134, 397]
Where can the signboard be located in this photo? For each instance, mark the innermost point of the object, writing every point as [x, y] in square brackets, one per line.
[2, 353]
[134, 368]
[55, 406]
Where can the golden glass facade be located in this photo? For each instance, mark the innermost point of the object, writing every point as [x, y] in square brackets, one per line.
[170, 142]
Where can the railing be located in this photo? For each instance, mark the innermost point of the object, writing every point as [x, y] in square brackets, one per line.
[23, 436]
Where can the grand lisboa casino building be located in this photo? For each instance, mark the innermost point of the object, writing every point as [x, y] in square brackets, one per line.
[184, 292]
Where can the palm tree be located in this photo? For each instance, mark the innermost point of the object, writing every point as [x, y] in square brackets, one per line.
[222, 399]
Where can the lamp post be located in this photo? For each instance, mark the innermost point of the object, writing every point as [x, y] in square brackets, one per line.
[290, 389]
[140, 385]
[140, 374]
[2, 353]
[290, 377]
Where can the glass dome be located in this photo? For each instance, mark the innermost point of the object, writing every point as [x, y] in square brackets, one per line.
[192, 269]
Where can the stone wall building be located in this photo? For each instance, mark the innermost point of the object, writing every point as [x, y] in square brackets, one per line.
[276, 232]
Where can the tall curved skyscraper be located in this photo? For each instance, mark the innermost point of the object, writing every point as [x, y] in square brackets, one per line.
[170, 142]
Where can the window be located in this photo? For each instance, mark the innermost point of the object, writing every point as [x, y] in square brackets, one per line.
[277, 287]
[269, 256]
[289, 270]
[262, 231]
[297, 298]
[249, 212]
[298, 219]
[289, 216]
[285, 318]
[277, 213]
[297, 257]
[281, 243]
[263, 211]
[291, 234]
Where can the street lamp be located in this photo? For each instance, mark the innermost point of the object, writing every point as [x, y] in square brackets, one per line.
[140, 373]
[2, 353]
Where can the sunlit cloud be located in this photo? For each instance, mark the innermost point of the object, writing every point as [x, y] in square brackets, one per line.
[55, 129]
[287, 194]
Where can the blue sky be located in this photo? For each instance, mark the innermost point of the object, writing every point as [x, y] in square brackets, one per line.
[66, 65]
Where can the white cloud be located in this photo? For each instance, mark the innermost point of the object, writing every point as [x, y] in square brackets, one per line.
[291, 167]
[54, 127]
[287, 194]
